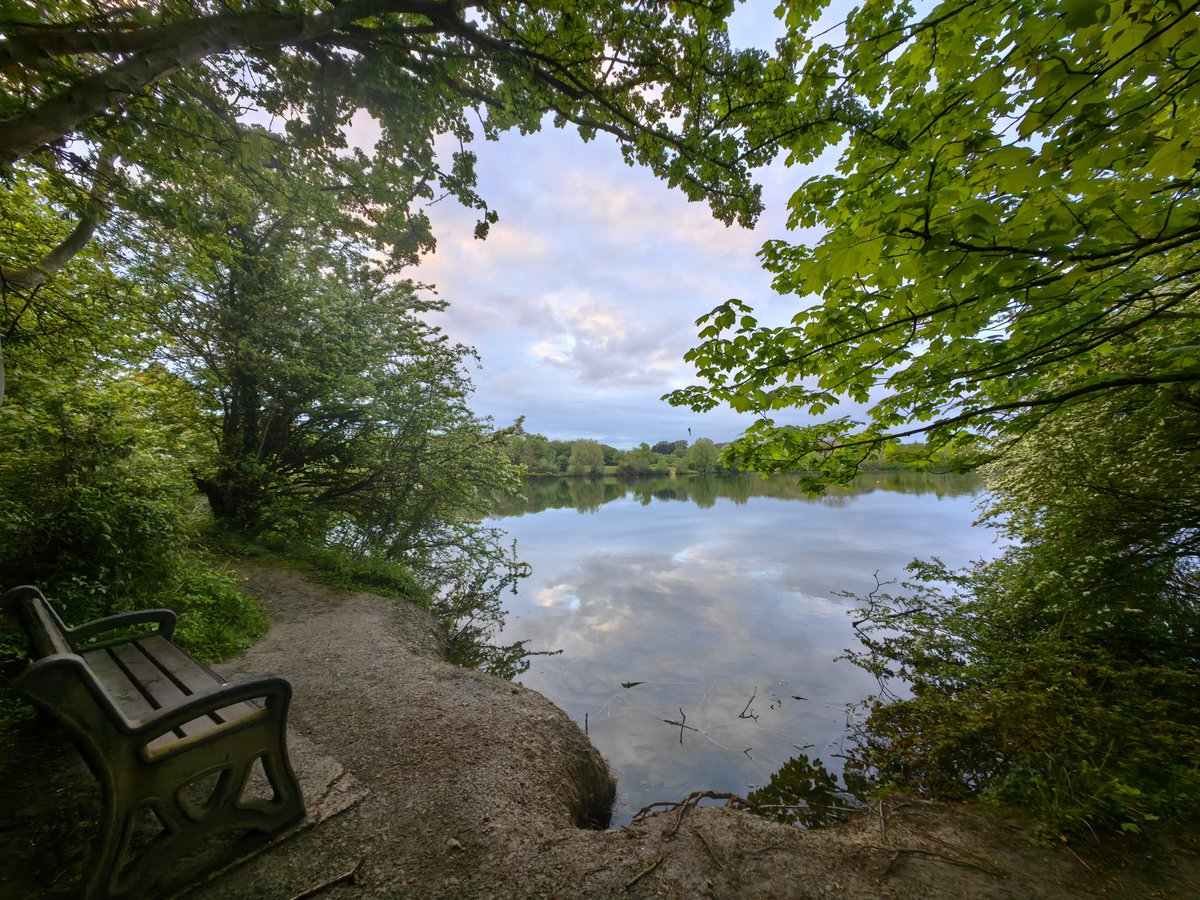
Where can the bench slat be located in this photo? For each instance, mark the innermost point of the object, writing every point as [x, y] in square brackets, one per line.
[193, 675]
[184, 670]
[123, 691]
[159, 689]
[163, 692]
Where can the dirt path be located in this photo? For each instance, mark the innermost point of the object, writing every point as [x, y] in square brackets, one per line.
[475, 787]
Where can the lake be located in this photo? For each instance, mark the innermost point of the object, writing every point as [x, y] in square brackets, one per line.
[712, 603]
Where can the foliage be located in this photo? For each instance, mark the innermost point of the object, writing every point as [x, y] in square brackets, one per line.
[98, 514]
[1060, 677]
[638, 72]
[143, 108]
[638, 461]
[75, 315]
[467, 577]
[338, 412]
[337, 566]
[1015, 201]
[703, 456]
[587, 458]
[538, 455]
[216, 620]
[94, 508]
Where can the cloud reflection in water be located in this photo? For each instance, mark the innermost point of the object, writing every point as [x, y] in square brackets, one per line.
[708, 604]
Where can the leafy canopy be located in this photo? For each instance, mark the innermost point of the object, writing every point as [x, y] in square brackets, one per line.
[1014, 204]
[171, 87]
[142, 107]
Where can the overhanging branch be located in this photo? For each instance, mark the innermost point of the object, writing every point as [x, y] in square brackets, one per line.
[30, 278]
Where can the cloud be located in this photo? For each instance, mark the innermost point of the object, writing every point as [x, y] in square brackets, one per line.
[582, 301]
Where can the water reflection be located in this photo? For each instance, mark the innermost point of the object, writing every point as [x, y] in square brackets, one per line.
[589, 494]
[699, 618]
[804, 793]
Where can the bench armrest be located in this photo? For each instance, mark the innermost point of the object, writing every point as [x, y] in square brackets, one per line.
[164, 617]
[275, 690]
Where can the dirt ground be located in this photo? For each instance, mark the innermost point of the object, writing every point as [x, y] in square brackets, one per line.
[459, 784]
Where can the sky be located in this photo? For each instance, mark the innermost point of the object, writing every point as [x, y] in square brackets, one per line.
[582, 300]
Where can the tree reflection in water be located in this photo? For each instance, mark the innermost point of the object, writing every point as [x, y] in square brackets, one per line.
[589, 494]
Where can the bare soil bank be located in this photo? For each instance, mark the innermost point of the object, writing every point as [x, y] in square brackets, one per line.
[474, 787]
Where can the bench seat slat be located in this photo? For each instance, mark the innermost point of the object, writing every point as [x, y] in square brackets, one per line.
[159, 689]
[195, 676]
[163, 690]
[184, 670]
[198, 728]
[123, 691]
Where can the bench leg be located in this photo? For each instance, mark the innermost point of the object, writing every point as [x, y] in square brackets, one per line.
[100, 875]
[114, 872]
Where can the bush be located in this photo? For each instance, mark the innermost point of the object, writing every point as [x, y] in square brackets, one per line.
[94, 512]
[216, 620]
[99, 514]
[1037, 700]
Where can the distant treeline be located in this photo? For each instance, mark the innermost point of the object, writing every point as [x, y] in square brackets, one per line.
[541, 456]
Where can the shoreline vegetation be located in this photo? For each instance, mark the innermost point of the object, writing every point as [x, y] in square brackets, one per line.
[541, 457]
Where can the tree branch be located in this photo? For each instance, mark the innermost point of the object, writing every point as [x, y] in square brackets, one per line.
[33, 276]
[62, 114]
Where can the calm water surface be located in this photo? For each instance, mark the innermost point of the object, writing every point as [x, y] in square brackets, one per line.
[715, 599]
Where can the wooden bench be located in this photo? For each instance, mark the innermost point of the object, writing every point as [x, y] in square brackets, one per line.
[169, 740]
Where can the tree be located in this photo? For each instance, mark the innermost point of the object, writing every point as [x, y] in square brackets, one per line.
[1014, 207]
[139, 107]
[333, 401]
[638, 461]
[117, 78]
[587, 458]
[703, 456]
[61, 322]
[138, 96]
[1061, 676]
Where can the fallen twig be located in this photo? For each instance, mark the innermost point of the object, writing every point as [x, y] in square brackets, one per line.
[693, 799]
[1078, 857]
[742, 714]
[708, 849]
[682, 723]
[349, 875]
[642, 874]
